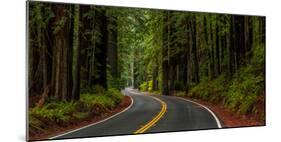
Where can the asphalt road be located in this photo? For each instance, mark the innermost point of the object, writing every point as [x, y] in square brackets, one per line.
[149, 114]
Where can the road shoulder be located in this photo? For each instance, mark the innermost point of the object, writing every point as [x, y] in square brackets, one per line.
[58, 131]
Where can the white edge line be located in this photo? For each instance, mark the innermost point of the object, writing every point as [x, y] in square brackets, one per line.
[213, 114]
[132, 101]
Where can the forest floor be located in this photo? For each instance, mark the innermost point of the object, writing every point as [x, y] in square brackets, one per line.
[56, 130]
[229, 118]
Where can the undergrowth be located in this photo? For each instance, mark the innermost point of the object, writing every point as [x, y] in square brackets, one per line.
[243, 92]
[63, 113]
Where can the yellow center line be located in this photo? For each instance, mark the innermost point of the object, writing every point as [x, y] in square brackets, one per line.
[155, 119]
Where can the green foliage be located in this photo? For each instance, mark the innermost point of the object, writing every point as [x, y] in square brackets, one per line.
[146, 86]
[155, 92]
[143, 86]
[62, 113]
[58, 112]
[245, 89]
[115, 95]
[210, 90]
[239, 94]
[117, 83]
[96, 104]
[150, 83]
[96, 89]
[258, 59]
[59, 24]
[180, 93]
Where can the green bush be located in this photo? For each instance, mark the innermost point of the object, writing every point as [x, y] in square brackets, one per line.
[244, 91]
[54, 112]
[115, 83]
[146, 86]
[62, 113]
[97, 89]
[143, 86]
[96, 103]
[156, 92]
[209, 90]
[115, 95]
[180, 93]
[150, 84]
[239, 94]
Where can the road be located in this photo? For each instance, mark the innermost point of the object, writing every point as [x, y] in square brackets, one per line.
[149, 114]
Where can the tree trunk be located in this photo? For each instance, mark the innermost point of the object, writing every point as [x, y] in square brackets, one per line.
[77, 53]
[61, 79]
[231, 46]
[218, 48]
[102, 54]
[165, 61]
[194, 50]
[154, 78]
[112, 46]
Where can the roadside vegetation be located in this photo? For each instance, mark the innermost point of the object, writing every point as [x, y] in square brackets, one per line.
[75, 64]
[217, 58]
[62, 113]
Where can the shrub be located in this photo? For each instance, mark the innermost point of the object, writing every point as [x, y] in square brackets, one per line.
[115, 94]
[96, 104]
[180, 93]
[62, 113]
[97, 89]
[150, 84]
[144, 86]
[115, 82]
[244, 91]
[54, 112]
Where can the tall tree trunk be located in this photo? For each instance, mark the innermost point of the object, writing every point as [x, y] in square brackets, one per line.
[194, 50]
[102, 54]
[165, 61]
[231, 50]
[154, 78]
[77, 53]
[212, 52]
[96, 51]
[241, 40]
[112, 46]
[61, 75]
[218, 48]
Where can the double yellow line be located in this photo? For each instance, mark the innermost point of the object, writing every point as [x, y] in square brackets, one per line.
[155, 119]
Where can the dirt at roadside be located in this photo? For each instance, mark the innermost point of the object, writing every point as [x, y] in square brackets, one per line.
[230, 119]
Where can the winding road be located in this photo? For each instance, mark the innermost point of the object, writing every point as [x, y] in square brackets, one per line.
[149, 114]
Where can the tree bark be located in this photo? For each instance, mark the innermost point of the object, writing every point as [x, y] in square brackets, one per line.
[77, 53]
[165, 61]
[194, 50]
[112, 46]
[61, 75]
